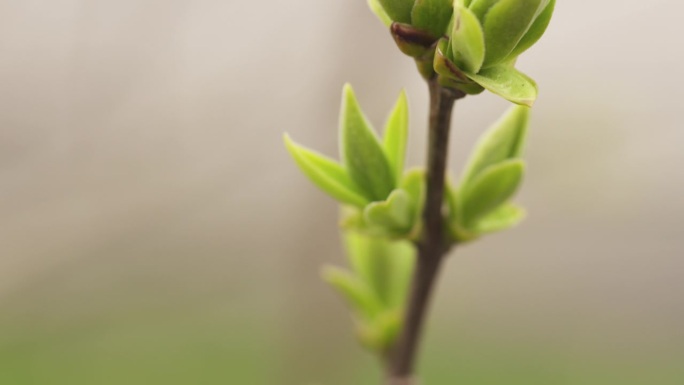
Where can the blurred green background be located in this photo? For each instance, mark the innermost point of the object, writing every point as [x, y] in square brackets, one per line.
[154, 231]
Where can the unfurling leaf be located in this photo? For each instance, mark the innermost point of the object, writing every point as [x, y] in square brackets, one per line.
[362, 152]
[504, 140]
[379, 334]
[536, 30]
[505, 24]
[507, 82]
[327, 174]
[379, 11]
[356, 292]
[504, 217]
[467, 40]
[383, 264]
[398, 10]
[432, 15]
[396, 136]
[414, 184]
[491, 188]
[394, 214]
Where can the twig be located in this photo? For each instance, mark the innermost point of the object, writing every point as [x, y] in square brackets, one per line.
[432, 247]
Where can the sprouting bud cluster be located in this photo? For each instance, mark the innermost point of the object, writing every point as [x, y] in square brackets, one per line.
[469, 45]
[463, 45]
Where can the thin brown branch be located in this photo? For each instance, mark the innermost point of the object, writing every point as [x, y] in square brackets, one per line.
[431, 248]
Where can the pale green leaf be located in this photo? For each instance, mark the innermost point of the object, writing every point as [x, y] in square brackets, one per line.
[467, 40]
[380, 333]
[383, 264]
[396, 136]
[403, 255]
[492, 187]
[385, 328]
[505, 23]
[504, 217]
[536, 30]
[362, 153]
[398, 10]
[414, 184]
[455, 229]
[379, 11]
[507, 82]
[356, 292]
[480, 7]
[504, 140]
[326, 174]
[432, 15]
[395, 213]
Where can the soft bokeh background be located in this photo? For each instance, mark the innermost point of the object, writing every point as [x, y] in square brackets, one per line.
[154, 231]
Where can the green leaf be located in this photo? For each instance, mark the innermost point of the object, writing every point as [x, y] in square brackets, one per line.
[398, 10]
[326, 174]
[490, 189]
[362, 153]
[384, 265]
[443, 65]
[403, 256]
[414, 184]
[396, 136]
[356, 292]
[504, 217]
[507, 82]
[480, 7]
[379, 11]
[379, 334]
[453, 203]
[536, 30]
[505, 23]
[467, 40]
[456, 230]
[432, 15]
[504, 140]
[394, 214]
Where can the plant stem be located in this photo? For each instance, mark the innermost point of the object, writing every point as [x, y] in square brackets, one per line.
[432, 246]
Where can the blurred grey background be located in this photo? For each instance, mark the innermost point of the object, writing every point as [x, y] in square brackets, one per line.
[153, 230]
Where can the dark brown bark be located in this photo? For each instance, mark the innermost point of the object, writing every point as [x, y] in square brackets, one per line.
[432, 246]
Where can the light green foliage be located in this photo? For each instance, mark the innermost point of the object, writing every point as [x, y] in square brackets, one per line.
[466, 45]
[432, 15]
[486, 38]
[358, 294]
[509, 83]
[505, 23]
[397, 217]
[398, 10]
[504, 141]
[384, 201]
[362, 153]
[376, 288]
[491, 188]
[396, 136]
[394, 214]
[381, 215]
[379, 11]
[491, 177]
[504, 217]
[328, 175]
[467, 40]
[536, 30]
[414, 185]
